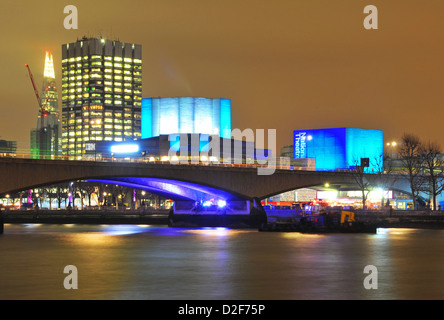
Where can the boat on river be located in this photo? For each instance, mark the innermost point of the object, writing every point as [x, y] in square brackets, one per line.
[322, 222]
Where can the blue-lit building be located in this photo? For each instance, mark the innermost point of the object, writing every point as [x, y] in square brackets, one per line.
[162, 116]
[339, 148]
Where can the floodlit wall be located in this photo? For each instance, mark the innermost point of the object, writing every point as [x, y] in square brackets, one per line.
[338, 148]
[162, 116]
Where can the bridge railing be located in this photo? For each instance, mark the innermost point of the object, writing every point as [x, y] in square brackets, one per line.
[242, 163]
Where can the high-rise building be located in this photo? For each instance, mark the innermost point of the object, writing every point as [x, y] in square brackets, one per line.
[101, 93]
[45, 139]
[8, 148]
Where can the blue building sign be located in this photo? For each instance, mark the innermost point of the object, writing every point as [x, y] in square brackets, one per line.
[339, 148]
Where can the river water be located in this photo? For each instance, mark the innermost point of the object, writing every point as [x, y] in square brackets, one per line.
[157, 262]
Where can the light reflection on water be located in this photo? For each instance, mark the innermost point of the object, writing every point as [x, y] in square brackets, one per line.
[156, 262]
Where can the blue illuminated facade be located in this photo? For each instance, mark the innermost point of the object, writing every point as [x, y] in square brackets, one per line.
[161, 116]
[338, 148]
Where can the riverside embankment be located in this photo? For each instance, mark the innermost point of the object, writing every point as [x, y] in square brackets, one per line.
[383, 219]
[157, 217]
[425, 219]
[387, 218]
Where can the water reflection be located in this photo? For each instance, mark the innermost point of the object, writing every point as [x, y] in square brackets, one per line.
[156, 262]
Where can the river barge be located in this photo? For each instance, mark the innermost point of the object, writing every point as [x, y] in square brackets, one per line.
[343, 222]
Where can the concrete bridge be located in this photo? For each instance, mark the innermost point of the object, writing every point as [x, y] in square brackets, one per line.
[175, 181]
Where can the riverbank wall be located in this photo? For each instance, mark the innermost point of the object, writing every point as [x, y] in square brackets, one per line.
[426, 219]
[157, 217]
[383, 219]
[386, 218]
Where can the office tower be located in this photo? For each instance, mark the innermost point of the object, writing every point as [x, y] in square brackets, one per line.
[45, 139]
[8, 148]
[101, 93]
[186, 115]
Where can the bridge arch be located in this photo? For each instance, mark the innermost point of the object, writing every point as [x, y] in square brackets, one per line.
[400, 185]
[171, 189]
[230, 181]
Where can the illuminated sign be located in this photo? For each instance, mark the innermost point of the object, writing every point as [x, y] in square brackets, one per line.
[90, 146]
[125, 148]
[300, 145]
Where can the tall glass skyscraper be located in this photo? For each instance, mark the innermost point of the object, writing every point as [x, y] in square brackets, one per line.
[101, 93]
[46, 140]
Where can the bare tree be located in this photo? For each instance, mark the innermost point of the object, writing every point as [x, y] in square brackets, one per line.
[101, 191]
[410, 154]
[361, 180]
[45, 193]
[89, 188]
[78, 190]
[122, 194]
[383, 176]
[118, 192]
[61, 193]
[434, 168]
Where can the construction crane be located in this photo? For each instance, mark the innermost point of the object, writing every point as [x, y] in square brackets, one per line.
[42, 110]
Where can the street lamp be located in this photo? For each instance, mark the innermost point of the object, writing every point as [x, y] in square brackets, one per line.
[392, 147]
[37, 195]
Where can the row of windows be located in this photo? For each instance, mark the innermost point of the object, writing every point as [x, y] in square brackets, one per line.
[73, 144]
[126, 87]
[77, 80]
[108, 69]
[100, 136]
[86, 72]
[99, 113]
[127, 82]
[91, 123]
[80, 103]
[95, 83]
[86, 66]
[100, 126]
[127, 102]
[100, 57]
[99, 95]
[99, 132]
[97, 122]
